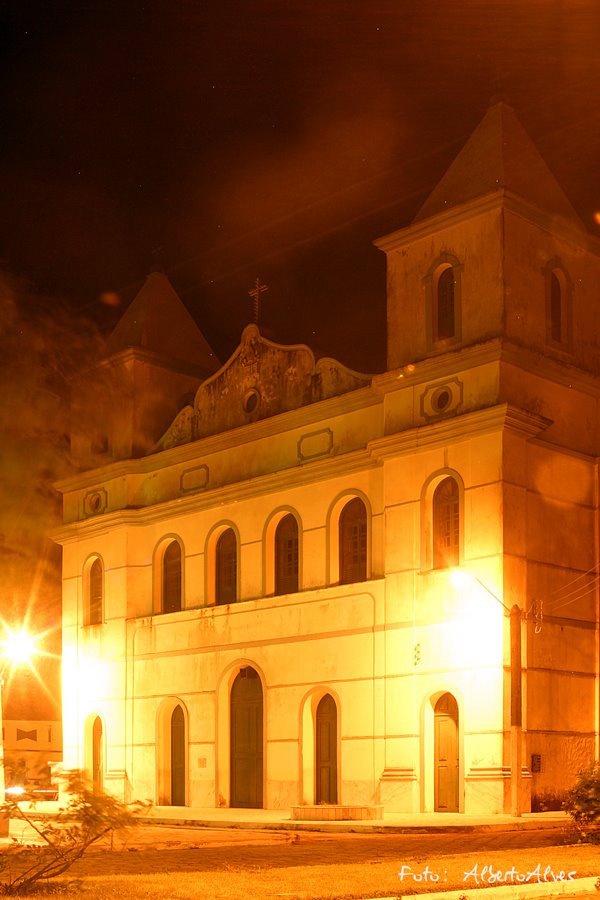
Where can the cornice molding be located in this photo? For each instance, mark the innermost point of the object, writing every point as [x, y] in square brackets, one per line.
[141, 354]
[494, 418]
[192, 503]
[551, 369]
[433, 367]
[496, 200]
[496, 349]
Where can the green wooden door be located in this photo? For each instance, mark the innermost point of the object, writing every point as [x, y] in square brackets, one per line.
[326, 751]
[177, 757]
[446, 754]
[247, 740]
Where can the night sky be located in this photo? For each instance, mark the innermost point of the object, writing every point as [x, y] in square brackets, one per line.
[230, 139]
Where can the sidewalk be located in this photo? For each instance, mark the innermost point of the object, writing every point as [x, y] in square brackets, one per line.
[392, 823]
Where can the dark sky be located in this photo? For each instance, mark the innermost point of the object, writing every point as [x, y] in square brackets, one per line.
[267, 137]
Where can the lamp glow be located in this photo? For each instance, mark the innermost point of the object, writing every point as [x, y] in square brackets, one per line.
[18, 647]
[461, 579]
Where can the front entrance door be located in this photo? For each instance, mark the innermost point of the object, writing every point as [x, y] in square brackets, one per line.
[326, 751]
[247, 740]
[446, 754]
[177, 757]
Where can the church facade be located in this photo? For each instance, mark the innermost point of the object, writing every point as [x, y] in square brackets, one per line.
[306, 585]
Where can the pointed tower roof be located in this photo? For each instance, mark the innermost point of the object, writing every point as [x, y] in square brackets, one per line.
[499, 155]
[157, 321]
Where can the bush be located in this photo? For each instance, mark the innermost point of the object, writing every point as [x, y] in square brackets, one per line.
[89, 816]
[582, 801]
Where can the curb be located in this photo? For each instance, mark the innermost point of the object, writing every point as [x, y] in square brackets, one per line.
[353, 827]
[515, 891]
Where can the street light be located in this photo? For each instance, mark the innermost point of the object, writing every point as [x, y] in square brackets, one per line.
[17, 648]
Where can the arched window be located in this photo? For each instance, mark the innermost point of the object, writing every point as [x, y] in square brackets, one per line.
[286, 555]
[446, 524]
[95, 593]
[226, 568]
[443, 302]
[558, 305]
[171, 578]
[556, 323]
[353, 542]
[444, 325]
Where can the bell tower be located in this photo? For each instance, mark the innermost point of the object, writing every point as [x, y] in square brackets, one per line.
[496, 251]
[157, 356]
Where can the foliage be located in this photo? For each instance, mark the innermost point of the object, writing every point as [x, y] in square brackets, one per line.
[88, 817]
[582, 801]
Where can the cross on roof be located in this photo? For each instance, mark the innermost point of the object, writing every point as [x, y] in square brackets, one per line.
[255, 293]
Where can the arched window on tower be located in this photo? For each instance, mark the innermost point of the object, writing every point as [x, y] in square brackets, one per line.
[446, 524]
[558, 305]
[556, 323]
[443, 298]
[286, 556]
[353, 542]
[444, 323]
[95, 593]
[171, 578]
[226, 568]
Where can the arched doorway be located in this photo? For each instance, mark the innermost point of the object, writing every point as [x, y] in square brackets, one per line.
[326, 751]
[97, 756]
[247, 740]
[446, 756]
[177, 757]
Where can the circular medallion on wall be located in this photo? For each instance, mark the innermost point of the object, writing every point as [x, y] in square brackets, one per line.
[442, 399]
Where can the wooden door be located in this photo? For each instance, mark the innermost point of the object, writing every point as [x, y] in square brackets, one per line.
[247, 740]
[178, 757]
[446, 754]
[326, 751]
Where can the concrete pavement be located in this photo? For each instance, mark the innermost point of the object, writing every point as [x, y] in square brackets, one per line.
[391, 823]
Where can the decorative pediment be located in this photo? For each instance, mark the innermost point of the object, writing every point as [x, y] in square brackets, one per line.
[261, 379]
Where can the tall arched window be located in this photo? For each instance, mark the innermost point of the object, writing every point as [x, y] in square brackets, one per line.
[353, 542]
[171, 578]
[443, 302]
[226, 568]
[286, 556]
[446, 524]
[556, 323]
[444, 325]
[95, 593]
[558, 305]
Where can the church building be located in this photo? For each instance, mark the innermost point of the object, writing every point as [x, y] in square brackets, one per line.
[289, 585]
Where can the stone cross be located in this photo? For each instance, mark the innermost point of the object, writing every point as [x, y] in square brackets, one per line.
[255, 293]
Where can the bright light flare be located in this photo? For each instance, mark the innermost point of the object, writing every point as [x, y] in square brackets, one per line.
[18, 647]
[461, 579]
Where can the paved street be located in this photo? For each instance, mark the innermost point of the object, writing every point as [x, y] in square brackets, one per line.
[164, 848]
[157, 848]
